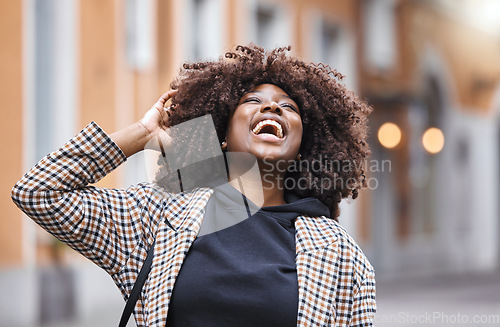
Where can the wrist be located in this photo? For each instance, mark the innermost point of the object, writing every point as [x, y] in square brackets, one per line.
[148, 133]
[133, 138]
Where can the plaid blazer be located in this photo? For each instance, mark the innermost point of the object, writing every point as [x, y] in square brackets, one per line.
[115, 227]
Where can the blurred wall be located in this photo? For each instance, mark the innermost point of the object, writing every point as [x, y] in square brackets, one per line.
[11, 79]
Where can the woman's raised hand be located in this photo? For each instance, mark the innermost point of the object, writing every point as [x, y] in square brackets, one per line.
[152, 126]
[156, 118]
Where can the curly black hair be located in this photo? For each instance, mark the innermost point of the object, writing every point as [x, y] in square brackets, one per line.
[333, 149]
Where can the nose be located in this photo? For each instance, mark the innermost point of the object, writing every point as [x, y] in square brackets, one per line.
[271, 107]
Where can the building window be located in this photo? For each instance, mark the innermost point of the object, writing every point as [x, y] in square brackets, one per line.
[333, 44]
[380, 33]
[265, 28]
[139, 33]
[269, 27]
[204, 29]
[330, 44]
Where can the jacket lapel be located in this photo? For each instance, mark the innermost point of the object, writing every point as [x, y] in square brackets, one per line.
[317, 270]
[175, 235]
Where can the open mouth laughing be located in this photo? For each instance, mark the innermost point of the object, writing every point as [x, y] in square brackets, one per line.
[270, 127]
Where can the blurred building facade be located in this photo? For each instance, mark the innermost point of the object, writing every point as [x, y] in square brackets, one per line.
[421, 64]
[434, 66]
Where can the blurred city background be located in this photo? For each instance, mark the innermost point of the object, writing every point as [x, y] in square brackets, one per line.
[429, 222]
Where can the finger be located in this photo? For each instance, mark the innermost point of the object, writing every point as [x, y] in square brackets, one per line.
[166, 116]
[167, 95]
[164, 98]
[170, 94]
[162, 110]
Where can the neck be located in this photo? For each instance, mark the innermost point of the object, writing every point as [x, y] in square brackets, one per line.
[263, 189]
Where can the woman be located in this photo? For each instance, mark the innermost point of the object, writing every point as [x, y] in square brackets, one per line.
[288, 264]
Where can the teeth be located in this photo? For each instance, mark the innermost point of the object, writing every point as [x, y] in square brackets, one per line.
[263, 123]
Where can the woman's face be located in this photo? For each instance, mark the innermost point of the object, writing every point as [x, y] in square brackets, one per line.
[267, 124]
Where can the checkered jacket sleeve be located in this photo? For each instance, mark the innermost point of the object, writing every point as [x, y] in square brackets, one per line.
[105, 225]
[364, 306]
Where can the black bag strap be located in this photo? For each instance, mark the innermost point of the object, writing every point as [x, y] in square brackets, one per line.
[136, 290]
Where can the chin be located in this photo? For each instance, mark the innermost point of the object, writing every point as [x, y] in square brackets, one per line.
[274, 157]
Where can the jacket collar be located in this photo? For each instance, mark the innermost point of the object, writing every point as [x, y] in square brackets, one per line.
[314, 233]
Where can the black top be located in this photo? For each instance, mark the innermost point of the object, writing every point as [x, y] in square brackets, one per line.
[244, 274]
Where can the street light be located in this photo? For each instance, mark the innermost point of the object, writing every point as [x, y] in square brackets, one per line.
[389, 135]
[433, 140]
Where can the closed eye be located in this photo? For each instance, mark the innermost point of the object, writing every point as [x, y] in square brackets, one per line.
[290, 106]
[256, 100]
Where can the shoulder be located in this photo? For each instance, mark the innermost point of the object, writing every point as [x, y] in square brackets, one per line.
[318, 233]
[351, 255]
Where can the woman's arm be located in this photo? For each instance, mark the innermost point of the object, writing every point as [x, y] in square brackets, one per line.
[364, 306]
[105, 225]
